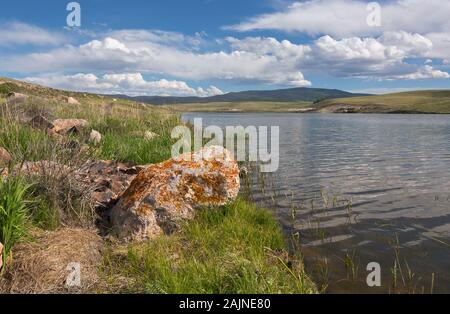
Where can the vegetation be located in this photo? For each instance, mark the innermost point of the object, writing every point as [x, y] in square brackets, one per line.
[234, 249]
[408, 102]
[13, 213]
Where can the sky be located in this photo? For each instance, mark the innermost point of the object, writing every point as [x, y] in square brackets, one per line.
[209, 47]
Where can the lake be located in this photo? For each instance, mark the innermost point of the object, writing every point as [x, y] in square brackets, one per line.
[356, 189]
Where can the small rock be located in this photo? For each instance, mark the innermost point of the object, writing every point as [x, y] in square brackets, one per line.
[5, 157]
[163, 194]
[41, 122]
[66, 125]
[72, 101]
[148, 135]
[95, 137]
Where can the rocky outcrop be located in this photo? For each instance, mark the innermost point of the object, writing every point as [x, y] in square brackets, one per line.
[63, 126]
[106, 180]
[5, 157]
[163, 194]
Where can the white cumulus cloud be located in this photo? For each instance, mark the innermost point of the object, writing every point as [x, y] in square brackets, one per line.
[154, 57]
[123, 83]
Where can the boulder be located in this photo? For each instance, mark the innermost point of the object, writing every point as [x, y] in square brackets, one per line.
[95, 137]
[69, 125]
[16, 98]
[5, 157]
[72, 101]
[164, 194]
[41, 122]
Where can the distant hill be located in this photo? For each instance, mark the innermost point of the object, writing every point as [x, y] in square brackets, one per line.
[280, 95]
[423, 101]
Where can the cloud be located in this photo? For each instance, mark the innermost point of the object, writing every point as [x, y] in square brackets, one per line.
[441, 45]
[134, 53]
[346, 18]
[124, 83]
[380, 58]
[265, 60]
[17, 33]
[426, 72]
[414, 45]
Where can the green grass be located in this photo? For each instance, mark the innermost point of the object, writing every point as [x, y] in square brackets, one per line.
[234, 249]
[13, 213]
[123, 139]
[250, 106]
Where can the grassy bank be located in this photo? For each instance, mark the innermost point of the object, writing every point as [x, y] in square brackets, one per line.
[233, 249]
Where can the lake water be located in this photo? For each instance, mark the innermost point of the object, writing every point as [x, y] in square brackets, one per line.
[365, 188]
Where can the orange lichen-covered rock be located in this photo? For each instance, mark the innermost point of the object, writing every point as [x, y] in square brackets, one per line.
[163, 194]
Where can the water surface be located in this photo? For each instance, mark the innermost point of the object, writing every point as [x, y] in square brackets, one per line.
[363, 188]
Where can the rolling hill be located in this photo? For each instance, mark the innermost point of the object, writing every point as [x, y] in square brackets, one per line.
[301, 94]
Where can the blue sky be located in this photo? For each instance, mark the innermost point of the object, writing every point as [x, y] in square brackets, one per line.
[207, 47]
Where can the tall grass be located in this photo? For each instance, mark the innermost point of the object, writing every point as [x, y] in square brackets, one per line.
[14, 216]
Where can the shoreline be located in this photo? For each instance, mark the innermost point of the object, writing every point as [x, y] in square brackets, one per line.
[236, 248]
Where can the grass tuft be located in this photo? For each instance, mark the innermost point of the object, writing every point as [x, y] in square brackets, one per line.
[14, 217]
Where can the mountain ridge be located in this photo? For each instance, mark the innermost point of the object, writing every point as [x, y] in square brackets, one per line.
[280, 95]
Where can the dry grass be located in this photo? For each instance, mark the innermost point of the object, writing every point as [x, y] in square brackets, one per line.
[41, 265]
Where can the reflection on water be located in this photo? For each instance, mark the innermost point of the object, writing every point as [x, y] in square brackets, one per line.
[364, 188]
